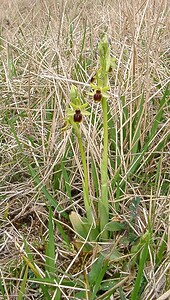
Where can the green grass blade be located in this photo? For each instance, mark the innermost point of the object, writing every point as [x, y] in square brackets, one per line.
[57, 177]
[95, 178]
[161, 251]
[12, 71]
[139, 277]
[66, 180]
[114, 145]
[125, 117]
[50, 265]
[63, 234]
[2, 289]
[122, 296]
[50, 248]
[159, 172]
[23, 284]
[136, 128]
[28, 251]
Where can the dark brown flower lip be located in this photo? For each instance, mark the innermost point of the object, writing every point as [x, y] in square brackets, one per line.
[97, 96]
[78, 116]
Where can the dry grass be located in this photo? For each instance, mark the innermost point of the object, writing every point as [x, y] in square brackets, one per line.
[45, 47]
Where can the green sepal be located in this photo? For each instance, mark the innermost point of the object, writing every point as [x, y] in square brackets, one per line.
[79, 106]
[107, 60]
[73, 93]
[113, 63]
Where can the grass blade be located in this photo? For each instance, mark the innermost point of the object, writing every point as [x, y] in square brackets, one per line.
[137, 128]
[95, 179]
[2, 289]
[23, 284]
[50, 249]
[138, 280]
[57, 177]
[63, 234]
[50, 265]
[66, 180]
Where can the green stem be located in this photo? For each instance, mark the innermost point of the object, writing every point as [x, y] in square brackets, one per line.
[86, 178]
[103, 203]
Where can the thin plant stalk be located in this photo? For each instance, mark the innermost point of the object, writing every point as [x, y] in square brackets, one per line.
[103, 204]
[102, 83]
[86, 177]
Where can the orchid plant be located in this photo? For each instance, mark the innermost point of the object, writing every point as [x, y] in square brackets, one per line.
[87, 226]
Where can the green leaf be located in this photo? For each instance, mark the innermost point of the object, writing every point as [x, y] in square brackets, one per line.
[78, 225]
[96, 275]
[82, 227]
[95, 269]
[111, 288]
[115, 226]
[109, 284]
[81, 295]
[115, 255]
[99, 279]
